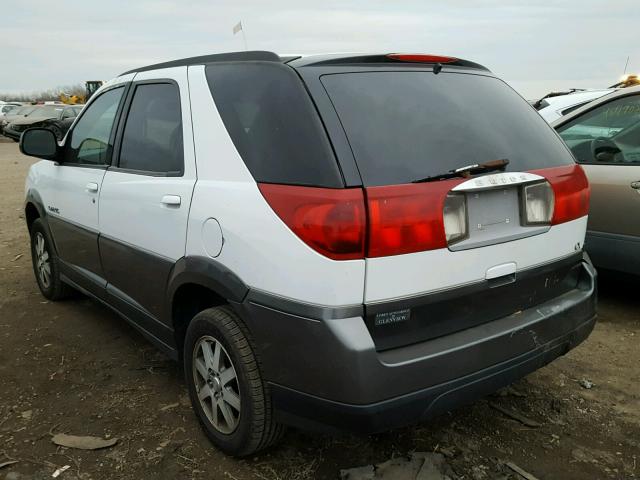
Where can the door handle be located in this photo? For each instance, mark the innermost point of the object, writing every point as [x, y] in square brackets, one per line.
[92, 187]
[171, 200]
[635, 185]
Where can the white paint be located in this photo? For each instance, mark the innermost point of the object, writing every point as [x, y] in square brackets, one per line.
[423, 272]
[133, 209]
[258, 246]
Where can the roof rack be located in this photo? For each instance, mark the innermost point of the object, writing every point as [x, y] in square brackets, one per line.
[255, 56]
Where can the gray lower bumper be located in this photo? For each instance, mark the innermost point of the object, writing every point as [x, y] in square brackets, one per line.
[329, 372]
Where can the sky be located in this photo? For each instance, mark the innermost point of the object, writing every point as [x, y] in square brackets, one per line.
[536, 46]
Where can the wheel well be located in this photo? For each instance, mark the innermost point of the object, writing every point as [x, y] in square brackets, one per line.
[189, 300]
[31, 214]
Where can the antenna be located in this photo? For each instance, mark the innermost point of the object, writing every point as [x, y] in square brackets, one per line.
[623, 73]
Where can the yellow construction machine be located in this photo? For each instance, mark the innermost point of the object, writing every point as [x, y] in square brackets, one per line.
[90, 88]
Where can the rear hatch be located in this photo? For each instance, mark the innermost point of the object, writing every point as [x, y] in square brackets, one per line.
[447, 251]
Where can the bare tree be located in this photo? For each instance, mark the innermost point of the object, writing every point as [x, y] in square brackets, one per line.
[44, 95]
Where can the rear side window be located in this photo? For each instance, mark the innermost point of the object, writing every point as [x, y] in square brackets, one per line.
[404, 126]
[152, 138]
[273, 123]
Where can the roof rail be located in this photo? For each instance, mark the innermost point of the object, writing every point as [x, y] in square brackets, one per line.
[255, 56]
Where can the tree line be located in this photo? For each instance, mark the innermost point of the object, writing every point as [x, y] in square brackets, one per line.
[43, 95]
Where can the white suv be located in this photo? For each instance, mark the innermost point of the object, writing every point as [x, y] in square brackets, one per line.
[349, 242]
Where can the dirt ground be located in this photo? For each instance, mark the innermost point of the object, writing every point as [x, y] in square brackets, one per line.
[77, 368]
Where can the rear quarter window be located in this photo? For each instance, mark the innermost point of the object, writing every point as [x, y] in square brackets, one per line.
[273, 123]
[407, 125]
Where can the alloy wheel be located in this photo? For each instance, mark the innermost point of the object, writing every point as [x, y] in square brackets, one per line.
[216, 384]
[43, 263]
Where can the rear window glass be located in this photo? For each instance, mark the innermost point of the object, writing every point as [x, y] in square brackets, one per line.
[273, 123]
[404, 126]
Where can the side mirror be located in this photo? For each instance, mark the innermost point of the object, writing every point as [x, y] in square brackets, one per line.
[39, 142]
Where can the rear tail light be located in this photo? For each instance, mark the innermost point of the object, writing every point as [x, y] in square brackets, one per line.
[405, 218]
[455, 218]
[331, 221]
[351, 223]
[571, 191]
[537, 204]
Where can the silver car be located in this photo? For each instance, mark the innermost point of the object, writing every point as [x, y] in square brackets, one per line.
[604, 136]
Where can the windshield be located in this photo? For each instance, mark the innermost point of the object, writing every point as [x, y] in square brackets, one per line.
[48, 111]
[22, 111]
[408, 125]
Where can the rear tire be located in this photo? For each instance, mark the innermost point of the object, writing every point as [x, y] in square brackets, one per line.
[46, 265]
[225, 384]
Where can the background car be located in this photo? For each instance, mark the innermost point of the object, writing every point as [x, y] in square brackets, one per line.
[15, 114]
[557, 104]
[57, 118]
[7, 107]
[604, 136]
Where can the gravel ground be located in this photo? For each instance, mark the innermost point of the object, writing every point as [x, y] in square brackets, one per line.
[74, 367]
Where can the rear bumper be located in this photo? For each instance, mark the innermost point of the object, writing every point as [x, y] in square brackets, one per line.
[328, 374]
[308, 411]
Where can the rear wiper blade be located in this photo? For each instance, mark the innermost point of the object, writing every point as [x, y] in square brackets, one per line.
[467, 170]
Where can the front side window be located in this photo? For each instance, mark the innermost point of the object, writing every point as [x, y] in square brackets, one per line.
[152, 137]
[89, 142]
[609, 133]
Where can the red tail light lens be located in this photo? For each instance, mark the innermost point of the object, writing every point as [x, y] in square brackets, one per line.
[401, 219]
[421, 58]
[571, 191]
[331, 221]
[407, 218]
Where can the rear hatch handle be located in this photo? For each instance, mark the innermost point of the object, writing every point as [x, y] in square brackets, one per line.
[502, 274]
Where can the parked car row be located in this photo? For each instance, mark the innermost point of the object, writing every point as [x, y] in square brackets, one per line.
[57, 118]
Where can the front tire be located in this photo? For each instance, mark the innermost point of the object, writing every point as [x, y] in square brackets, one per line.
[46, 265]
[227, 392]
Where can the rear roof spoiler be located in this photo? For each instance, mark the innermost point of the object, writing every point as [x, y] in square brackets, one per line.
[387, 59]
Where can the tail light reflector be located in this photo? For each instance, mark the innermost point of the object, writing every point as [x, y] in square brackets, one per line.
[538, 203]
[331, 221]
[455, 218]
[571, 191]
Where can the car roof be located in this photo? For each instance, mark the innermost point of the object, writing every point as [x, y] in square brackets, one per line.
[623, 92]
[296, 60]
[576, 97]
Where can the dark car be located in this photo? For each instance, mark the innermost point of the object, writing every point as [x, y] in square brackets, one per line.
[57, 118]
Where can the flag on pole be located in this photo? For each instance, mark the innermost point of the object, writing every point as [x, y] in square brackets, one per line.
[237, 28]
